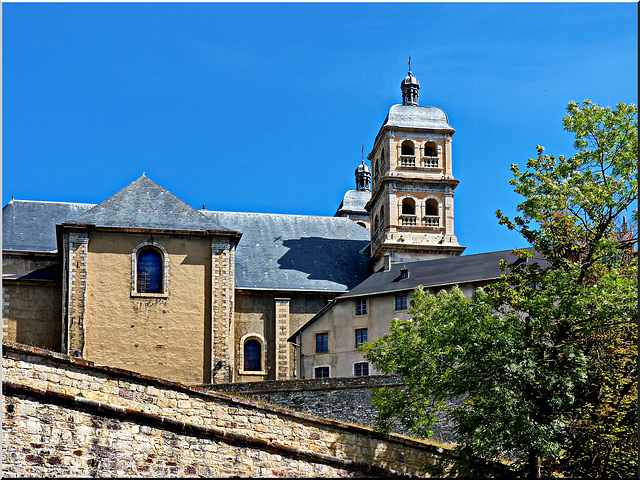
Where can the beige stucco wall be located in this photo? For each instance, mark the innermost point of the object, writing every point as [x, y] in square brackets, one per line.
[255, 314]
[165, 337]
[31, 313]
[340, 322]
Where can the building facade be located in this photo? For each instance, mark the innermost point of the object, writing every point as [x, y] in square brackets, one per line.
[327, 345]
[145, 282]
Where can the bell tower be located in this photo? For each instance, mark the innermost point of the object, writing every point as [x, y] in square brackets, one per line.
[412, 189]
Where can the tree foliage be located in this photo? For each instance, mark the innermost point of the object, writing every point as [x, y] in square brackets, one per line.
[545, 359]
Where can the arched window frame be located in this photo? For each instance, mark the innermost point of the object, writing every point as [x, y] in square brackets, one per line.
[166, 263]
[415, 201]
[406, 159]
[407, 141]
[263, 344]
[426, 159]
[438, 211]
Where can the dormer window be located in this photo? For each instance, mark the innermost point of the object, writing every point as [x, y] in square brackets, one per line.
[404, 273]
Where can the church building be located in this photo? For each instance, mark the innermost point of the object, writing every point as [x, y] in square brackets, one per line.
[145, 282]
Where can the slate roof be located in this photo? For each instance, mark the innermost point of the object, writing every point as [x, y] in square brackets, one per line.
[354, 201]
[31, 225]
[287, 252]
[417, 117]
[441, 272]
[480, 268]
[145, 204]
[297, 252]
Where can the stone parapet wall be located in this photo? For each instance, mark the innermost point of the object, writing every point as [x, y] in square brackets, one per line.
[346, 399]
[103, 411]
[310, 384]
[68, 437]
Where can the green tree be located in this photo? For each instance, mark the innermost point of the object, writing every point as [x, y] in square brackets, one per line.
[544, 360]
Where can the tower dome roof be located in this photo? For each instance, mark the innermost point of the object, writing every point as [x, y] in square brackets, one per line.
[410, 80]
[362, 168]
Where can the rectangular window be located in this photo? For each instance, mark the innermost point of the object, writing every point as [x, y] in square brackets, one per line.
[361, 369]
[361, 307]
[322, 342]
[401, 302]
[321, 372]
[361, 336]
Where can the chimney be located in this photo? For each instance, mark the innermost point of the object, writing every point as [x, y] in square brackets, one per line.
[387, 262]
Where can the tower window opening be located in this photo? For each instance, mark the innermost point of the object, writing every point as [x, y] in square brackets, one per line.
[408, 207]
[431, 207]
[407, 148]
[430, 150]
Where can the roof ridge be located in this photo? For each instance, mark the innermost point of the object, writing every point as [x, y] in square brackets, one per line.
[273, 214]
[51, 201]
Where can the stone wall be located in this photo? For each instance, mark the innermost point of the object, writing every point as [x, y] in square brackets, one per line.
[67, 416]
[31, 313]
[346, 399]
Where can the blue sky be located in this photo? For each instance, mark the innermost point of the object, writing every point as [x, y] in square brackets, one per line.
[264, 107]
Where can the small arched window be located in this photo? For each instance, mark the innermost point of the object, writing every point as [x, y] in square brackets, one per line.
[430, 150]
[407, 148]
[149, 271]
[408, 207]
[252, 355]
[431, 207]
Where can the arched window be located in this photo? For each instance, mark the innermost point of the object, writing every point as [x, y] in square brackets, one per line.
[430, 149]
[149, 271]
[407, 148]
[381, 223]
[431, 207]
[252, 355]
[376, 223]
[408, 207]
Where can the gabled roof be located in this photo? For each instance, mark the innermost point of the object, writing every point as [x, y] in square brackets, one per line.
[286, 252]
[145, 204]
[297, 252]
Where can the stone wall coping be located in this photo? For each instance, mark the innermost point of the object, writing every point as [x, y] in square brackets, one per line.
[22, 349]
[308, 384]
[166, 423]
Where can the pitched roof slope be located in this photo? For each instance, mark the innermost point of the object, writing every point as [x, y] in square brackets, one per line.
[297, 252]
[31, 225]
[145, 204]
[441, 272]
[286, 252]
